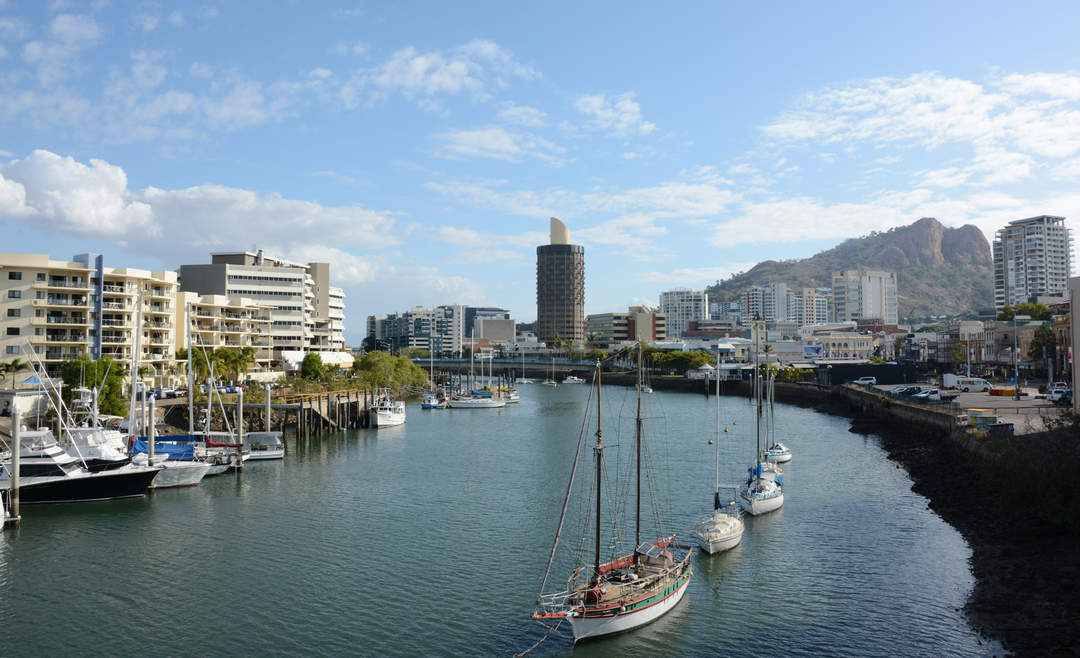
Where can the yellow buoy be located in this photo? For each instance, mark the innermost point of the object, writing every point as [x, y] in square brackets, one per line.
[710, 441]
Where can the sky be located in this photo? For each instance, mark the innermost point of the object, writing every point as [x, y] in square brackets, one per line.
[421, 147]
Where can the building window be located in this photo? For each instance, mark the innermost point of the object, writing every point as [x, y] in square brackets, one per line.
[12, 331]
[12, 349]
[13, 312]
[14, 294]
[14, 276]
[40, 276]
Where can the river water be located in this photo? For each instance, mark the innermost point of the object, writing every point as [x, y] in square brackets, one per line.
[432, 538]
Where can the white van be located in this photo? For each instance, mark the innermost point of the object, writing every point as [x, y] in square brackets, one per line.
[966, 384]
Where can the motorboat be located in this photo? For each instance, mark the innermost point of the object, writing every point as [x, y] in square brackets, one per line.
[387, 411]
[432, 401]
[571, 379]
[778, 453]
[98, 448]
[264, 445]
[48, 474]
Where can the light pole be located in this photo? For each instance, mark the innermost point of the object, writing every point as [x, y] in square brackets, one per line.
[1016, 354]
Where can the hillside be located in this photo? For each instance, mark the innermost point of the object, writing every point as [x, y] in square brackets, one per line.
[939, 270]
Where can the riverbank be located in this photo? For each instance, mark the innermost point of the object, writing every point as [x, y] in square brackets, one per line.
[1015, 501]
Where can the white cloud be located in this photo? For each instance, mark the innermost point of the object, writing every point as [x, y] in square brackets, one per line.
[68, 196]
[696, 276]
[499, 144]
[147, 16]
[93, 200]
[71, 34]
[474, 69]
[522, 115]
[618, 115]
[344, 48]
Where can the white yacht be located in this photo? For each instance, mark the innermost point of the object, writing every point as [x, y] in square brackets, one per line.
[264, 445]
[778, 453]
[48, 474]
[723, 528]
[387, 412]
[571, 379]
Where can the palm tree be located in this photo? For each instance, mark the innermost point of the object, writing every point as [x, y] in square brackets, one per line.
[14, 366]
[245, 358]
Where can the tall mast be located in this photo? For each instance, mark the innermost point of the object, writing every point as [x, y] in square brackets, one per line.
[191, 375]
[716, 496]
[757, 392]
[637, 445]
[599, 450]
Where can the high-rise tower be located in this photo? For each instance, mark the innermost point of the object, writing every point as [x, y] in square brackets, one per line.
[560, 287]
[1032, 257]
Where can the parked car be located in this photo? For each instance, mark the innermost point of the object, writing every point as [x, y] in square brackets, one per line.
[1060, 385]
[1055, 394]
[910, 390]
[1065, 399]
[865, 381]
[896, 390]
[935, 395]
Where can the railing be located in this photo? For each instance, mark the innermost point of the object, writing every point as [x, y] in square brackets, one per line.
[54, 301]
[64, 319]
[61, 284]
[115, 323]
[62, 355]
[115, 305]
[157, 325]
[65, 339]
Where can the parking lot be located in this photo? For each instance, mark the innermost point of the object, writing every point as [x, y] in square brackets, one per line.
[1026, 414]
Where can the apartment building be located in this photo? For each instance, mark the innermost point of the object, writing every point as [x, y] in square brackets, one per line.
[1032, 257]
[308, 314]
[863, 295]
[807, 306]
[440, 329]
[218, 321]
[639, 323]
[68, 308]
[680, 307]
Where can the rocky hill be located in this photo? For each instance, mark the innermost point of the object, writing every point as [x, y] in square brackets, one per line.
[939, 270]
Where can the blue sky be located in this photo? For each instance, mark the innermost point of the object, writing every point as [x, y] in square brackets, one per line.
[421, 147]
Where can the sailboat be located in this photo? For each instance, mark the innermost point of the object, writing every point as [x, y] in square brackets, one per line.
[763, 491]
[431, 400]
[630, 590]
[723, 529]
[777, 453]
[551, 382]
[523, 379]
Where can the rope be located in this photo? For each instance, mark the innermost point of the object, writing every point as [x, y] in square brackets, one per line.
[551, 629]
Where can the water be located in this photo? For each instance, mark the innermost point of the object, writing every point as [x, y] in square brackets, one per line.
[431, 538]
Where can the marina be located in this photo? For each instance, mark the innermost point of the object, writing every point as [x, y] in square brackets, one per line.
[853, 564]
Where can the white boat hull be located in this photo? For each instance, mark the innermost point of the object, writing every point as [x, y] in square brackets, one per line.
[759, 506]
[180, 474]
[586, 628]
[387, 419]
[779, 459]
[719, 545]
[477, 403]
[271, 453]
[717, 537]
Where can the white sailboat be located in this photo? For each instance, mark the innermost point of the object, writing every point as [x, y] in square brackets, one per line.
[723, 529]
[777, 452]
[551, 382]
[523, 379]
[763, 491]
[628, 591]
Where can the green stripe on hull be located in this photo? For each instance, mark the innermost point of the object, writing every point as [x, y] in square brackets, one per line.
[644, 603]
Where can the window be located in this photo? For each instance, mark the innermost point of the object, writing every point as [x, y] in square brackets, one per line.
[14, 294]
[12, 349]
[40, 276]
[12, 331]
[14, 276]
[13, 312]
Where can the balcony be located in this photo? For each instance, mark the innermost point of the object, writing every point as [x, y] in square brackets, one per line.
[61, 285]
[64, 338]
[157, 325]
[116, 323]
[115, 340]
[60, 320]
[159, 309]
[56, 301]
[116, 306]
[62, 355]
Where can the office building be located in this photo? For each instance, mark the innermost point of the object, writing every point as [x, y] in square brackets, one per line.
[639, 323]
[865, 296]
[560, 287]
[308, 313]
[1032, 257]
[680, 307]
[218, 321]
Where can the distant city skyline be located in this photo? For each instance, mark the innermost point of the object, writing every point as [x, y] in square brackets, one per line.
[420, 150]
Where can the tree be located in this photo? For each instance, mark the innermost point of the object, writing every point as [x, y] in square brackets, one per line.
[14, 366]
[103, 374]
[312, 366]
[245, 359]
[1038, 312]
[596, 355]
[1044, 338]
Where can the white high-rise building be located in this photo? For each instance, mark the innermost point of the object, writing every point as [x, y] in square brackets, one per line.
[1031, 257]
[868, 295]
[682, 306]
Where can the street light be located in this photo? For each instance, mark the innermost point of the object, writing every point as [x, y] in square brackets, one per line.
[1016, 354]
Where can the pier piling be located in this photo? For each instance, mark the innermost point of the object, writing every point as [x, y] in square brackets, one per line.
[16, 448]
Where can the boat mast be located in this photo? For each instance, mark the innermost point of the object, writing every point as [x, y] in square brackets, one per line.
[757, 390]
[637, 445]
[716, 495]
[599, 450]
[191, 375]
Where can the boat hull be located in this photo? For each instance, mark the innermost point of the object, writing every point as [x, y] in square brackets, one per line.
[714, 545]
[586, 628]
[180, 474]
[269, 453]
[759, 506]
[779, 458]
[387, 419]
[88, 487]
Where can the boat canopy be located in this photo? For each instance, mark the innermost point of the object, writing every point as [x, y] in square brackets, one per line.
[178, 451]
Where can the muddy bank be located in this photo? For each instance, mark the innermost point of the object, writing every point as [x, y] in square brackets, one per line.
[1026, 567]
